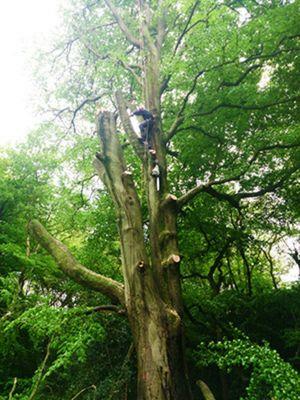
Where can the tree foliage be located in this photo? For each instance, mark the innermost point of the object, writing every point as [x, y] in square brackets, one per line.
[229, 121]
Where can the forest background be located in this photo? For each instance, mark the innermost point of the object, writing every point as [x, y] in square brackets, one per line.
[228, 113]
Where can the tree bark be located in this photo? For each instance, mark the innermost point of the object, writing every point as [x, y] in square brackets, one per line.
[151, 294]
[71, 267]
[152, 308]
[151, 291]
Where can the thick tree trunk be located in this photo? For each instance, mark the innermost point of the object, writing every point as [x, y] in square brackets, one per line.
[160, 358]
[152, 279]
[153, 312]
[151, 294]
[156, 327]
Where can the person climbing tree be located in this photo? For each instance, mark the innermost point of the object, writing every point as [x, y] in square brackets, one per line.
[147, 125]
[146, 128]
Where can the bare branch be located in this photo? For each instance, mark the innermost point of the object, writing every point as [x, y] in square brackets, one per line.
[233, 199]
[269, 188]
[82, 104]
[222, 196]
[74, 112]
[241, 77]
[98, 56]
[133, 138]
[164, 84]
[40, 373]
[94, 387]
[206, 392]
[185, 29]
[124, 28]
[272, 147]
[132, 71]
[10, 397]
[71, 267]
[246, 107]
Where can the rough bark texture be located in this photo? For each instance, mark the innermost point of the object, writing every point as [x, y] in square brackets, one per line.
[73, 268]
[152, 293]
[154, 315]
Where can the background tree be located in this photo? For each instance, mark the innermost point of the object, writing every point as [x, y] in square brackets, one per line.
[220, 81]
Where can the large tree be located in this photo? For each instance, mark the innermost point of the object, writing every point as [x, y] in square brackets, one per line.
[219, 78]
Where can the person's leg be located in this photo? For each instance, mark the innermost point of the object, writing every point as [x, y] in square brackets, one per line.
[143, 130]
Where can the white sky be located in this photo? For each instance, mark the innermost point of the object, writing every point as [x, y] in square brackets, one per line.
[23, 23]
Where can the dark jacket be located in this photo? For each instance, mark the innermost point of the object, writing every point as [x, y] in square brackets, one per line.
[143, 113]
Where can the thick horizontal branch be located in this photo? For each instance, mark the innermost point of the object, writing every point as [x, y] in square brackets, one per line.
[222, 196]
[71, 267]
[272, 147]
[124, 28]
[241, 77]
[269, 188]
[106, 307]
[246, 107]
[201, 130]
[192, 193]
[233, 199]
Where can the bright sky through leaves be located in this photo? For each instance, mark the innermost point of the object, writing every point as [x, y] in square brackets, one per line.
[22, 24]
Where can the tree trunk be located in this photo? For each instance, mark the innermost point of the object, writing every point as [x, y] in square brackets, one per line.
[152, 307]
[151, 292]
[158, 340]
[150, 265]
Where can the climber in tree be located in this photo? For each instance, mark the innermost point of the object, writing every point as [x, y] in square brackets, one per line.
[146, 129]
[146, 126]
